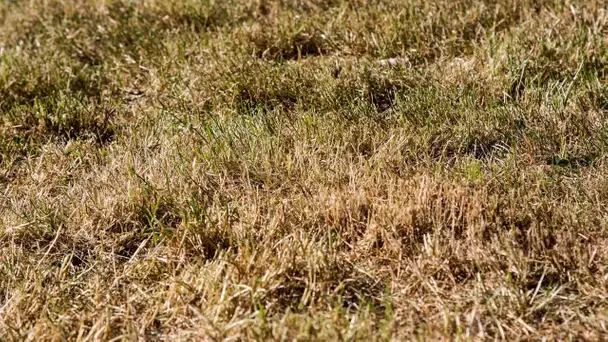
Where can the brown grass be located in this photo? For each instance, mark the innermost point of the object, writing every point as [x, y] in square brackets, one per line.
[308, 170]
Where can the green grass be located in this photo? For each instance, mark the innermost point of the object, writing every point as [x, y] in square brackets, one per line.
[303, 169]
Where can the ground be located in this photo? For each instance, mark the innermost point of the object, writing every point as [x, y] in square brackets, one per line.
[303, 169]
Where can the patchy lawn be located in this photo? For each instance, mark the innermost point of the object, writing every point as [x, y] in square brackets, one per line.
[303, 169]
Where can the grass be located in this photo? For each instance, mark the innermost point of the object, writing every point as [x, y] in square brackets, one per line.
[306, 169]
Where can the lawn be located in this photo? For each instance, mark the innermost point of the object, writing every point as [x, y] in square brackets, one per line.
[303, 170]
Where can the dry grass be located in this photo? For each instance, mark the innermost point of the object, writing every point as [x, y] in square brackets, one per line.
[303, 169]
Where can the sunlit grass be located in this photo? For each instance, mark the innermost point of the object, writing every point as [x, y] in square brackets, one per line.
[309, 170]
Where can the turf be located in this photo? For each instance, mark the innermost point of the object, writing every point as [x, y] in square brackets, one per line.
[303, 170]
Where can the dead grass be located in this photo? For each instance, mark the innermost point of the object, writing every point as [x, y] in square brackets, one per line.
[308, 170]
